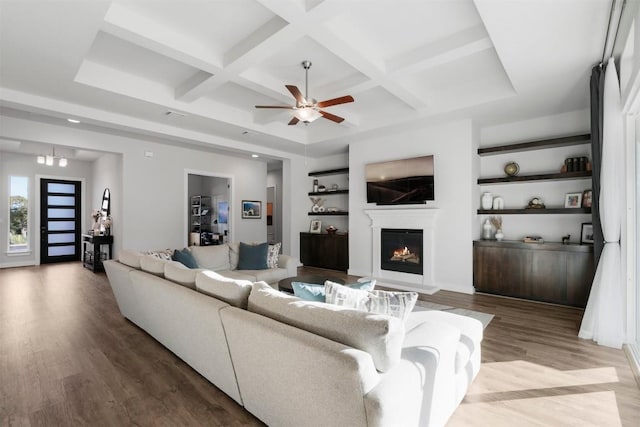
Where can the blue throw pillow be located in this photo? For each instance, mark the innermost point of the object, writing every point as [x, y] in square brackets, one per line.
[185, 257]
[316, 292]
[308, 291]
[253, 257]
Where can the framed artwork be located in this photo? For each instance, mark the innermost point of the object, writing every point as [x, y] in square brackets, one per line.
[316, 226]
[587, 198]
[223, 212]
[252, 209]
[573, 200]
[586, 234]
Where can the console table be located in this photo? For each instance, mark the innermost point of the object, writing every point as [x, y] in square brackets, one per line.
[92, 254]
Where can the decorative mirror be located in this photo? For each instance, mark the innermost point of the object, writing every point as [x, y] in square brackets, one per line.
[105, 208]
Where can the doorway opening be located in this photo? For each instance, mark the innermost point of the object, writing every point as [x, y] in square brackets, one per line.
[208, 205]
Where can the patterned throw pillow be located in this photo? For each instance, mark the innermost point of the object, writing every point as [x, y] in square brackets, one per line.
[164, 254]
[316, 292]
[396, 304]
[272, 255]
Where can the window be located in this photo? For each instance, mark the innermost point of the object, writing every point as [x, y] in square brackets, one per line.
[18, 214]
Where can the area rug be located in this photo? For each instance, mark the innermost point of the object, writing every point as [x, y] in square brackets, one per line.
[485, 318]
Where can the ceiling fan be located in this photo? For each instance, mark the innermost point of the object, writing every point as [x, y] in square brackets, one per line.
[308, 109]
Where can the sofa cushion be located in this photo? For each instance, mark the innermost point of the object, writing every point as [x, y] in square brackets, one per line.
[316, 292]
[253, 257]
[231, 291]
[272, 255]
[152, 264]
[380, 336]
[396, 304]
[214, 257]
[234, 254]
[185, 257]
[180, 274]
[130, 258]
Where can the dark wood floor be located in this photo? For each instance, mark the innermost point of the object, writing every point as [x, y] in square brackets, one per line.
[67, 357]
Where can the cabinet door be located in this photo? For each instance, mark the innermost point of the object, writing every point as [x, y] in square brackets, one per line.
[547, 278]
[501, 271]
[580, 271]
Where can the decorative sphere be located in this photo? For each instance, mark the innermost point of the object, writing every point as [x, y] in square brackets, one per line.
[511, 169]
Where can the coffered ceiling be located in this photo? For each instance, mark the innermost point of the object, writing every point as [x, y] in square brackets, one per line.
[407, 63]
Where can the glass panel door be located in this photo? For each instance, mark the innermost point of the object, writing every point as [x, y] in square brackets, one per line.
[59, 221]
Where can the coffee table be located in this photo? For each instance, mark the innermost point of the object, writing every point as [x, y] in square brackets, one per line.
[284, 285]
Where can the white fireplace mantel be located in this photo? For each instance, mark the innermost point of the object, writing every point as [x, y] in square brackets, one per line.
[402, 218]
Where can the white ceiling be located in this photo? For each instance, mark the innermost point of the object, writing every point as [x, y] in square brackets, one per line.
[124, 64]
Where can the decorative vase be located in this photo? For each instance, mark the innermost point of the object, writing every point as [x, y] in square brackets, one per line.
[487, 230]
[499, 235]
[487, 201]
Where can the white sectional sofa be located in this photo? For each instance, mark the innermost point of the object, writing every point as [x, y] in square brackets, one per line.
[298, 363]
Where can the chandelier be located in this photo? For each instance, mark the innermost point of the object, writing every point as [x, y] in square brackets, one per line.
[49, 159]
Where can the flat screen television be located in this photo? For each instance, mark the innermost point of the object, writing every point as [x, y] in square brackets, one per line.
[400, 182]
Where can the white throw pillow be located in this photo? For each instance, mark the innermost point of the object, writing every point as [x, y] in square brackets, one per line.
[396, 304]
[272, 255]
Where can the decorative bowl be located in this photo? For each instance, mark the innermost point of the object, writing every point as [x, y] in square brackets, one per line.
[511, 169]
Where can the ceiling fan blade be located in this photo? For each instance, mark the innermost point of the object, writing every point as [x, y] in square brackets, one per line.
[294, 121]
[296, 94]
[287, 107]
[331, 117]
[335, 101]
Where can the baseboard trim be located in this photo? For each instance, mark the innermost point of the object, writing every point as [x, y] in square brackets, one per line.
[633, 354]
[18, 264]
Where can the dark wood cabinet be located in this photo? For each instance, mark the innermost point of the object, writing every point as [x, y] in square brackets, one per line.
[549, 272]
[325, 250]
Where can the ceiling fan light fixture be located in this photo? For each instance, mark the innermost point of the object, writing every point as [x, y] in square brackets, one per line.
[307, 114]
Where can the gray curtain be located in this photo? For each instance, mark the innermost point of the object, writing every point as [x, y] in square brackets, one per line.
[597, 97]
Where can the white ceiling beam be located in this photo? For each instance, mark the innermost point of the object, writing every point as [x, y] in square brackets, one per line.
[265, 40]
[197, 86]
[454, 47]
[142, 31]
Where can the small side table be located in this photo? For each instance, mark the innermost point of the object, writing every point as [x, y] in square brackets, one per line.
[92, 254]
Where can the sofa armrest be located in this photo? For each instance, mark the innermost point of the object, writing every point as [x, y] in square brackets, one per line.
[421, 388]
[289, 263]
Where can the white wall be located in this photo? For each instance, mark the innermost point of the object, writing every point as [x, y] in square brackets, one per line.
[107, 173]
[453, 145]
[25, 165]
[153, 188]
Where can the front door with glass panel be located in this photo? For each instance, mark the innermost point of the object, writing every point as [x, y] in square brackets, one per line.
[59, 221]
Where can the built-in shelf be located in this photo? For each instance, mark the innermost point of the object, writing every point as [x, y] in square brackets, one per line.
[343, 213]
[329, 172]
[536, 145]
[327, 192]
[546, 211]
[536, 177]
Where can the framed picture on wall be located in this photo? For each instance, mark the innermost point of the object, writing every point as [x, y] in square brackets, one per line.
[586, 234]
[252, 209]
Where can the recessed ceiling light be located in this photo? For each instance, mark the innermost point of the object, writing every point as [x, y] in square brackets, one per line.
[73, 121]
[254, 156]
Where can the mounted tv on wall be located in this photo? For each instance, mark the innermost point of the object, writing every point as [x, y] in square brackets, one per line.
[400, 182]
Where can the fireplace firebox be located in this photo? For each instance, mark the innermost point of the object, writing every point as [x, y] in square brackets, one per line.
[401, 250]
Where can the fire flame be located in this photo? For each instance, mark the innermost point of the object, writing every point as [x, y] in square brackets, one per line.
[402, 252]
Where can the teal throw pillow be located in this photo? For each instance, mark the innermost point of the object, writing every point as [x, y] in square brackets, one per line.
[253, 257]
[316, 292]
[185, 257]
[308, 291]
